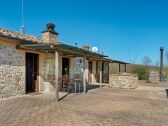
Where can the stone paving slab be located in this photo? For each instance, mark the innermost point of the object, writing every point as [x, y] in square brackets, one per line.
[99, 107]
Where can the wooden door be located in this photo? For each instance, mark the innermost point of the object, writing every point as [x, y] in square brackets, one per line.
[90, 72]
[31, 72]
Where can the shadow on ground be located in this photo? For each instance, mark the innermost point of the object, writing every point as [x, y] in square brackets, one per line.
[90, 87]
[78, 90]
[35, 93]
[63, 96]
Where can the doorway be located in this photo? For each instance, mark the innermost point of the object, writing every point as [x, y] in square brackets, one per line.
[65, 66]
[90, 71]
[32, 72]
[65, 74]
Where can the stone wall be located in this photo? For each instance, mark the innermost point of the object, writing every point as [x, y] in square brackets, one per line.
[12, 71]
[124, 80]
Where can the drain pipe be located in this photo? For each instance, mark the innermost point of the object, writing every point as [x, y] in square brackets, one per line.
[161, 64]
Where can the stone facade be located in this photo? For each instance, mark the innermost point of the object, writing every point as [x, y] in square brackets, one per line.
[124, 80]
[13, 63]
[12, 71]
[49, 37]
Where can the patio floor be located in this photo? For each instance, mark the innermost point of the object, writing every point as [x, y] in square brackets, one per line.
[105, 106]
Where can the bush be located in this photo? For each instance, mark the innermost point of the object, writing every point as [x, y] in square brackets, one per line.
[165, 76]
[142, 72]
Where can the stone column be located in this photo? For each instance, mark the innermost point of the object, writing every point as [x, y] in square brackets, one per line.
[100, 72]
[84, 79]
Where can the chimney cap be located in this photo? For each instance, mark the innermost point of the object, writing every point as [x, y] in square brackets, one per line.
[50, 27]
[161, 48]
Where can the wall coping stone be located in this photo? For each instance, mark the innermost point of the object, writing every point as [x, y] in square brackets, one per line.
[123, 74]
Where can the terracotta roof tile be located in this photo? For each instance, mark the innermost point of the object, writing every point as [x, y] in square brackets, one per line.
[17, 35]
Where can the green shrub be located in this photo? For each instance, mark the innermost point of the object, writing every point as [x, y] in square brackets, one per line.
[165, 76]
[142, 72]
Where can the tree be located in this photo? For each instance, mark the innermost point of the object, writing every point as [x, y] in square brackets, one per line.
[146, 61]
[142, 72]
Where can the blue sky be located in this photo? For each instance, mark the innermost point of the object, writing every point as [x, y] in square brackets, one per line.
[122, 29]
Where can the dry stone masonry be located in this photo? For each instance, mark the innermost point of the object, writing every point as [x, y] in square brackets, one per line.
[123, 80]
[11, 71]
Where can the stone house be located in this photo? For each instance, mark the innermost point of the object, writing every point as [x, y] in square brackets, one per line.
[32, 64]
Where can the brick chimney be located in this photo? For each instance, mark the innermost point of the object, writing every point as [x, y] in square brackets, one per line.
[50, 35]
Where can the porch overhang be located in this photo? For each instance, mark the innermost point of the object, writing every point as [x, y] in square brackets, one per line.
[63, 49]
[120, 62]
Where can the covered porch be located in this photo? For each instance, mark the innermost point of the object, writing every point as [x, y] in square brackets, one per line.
[64, 68]
[95, 66]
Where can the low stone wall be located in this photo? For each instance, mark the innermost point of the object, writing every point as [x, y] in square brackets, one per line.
[124, 80]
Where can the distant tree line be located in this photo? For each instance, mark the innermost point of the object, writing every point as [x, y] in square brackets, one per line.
[147, 65]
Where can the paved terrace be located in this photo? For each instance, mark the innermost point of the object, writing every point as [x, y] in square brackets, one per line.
[145, 106]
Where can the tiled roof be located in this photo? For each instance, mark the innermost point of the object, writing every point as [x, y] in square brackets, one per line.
[17, 35]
